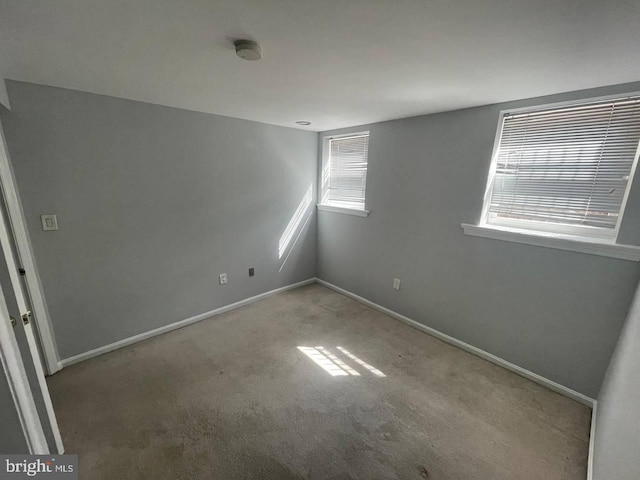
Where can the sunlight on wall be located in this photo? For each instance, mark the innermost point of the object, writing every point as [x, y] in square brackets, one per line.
[324, 182]
[333, 365]
[294, 223]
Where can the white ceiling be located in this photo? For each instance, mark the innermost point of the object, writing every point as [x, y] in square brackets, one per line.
[335, 63]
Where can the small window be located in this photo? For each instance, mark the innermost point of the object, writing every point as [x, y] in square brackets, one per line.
[344, 170]
[565, 170]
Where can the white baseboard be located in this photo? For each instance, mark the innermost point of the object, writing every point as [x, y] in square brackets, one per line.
[550, 384]
[556, 387]
[592, 440]
[173, 326]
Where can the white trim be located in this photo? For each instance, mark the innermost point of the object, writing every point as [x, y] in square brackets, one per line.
[44, 389]
[592, 440]
[16, 375]
[550, 227]
[325, 175]
[488, 191]
[550, 384]
[536, 227]
[560, 242]
[7, 243]
[627, 191]
[347, 211]
[556, 387]
[362, 133]
[182, 323]
[23, 247]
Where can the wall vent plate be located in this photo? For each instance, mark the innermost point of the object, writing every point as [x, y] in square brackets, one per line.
[49, 222]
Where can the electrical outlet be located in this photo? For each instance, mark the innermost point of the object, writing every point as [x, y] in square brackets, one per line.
[396, 283]
[252, 272]
[223, 279]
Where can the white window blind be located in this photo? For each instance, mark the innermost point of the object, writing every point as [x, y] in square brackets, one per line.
[566, 169]
[346, 171]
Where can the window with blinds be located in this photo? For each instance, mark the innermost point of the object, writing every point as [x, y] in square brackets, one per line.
[565, 170]
[344, 177]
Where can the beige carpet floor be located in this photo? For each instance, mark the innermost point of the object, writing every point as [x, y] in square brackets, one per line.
[310, 384]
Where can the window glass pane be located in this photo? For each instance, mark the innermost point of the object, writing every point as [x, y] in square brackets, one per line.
[347, 165]
[566, 166]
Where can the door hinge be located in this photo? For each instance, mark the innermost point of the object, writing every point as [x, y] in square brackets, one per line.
[26, 317]
[14, 322]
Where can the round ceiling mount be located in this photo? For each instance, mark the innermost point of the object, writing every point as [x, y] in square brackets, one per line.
[303, 122]
[248, 50]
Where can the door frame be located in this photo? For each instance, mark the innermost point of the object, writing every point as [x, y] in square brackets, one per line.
[28, 320]
[16, 221]
[19, 385]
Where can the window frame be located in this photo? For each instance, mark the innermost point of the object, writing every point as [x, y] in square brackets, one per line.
[582, 233]
[325, 175]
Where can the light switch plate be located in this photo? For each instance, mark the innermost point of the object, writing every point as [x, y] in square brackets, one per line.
[223, 279]
[49, 222]
[396, 283]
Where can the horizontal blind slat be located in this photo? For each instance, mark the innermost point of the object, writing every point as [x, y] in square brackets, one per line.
[568, 165]
[348, 170]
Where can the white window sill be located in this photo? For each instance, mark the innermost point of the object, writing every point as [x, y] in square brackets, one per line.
[346, 211]
[625, 252]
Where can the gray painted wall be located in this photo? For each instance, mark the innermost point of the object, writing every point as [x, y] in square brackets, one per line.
[153, 203]
[618, 420]
[4, 97]
[553, 312]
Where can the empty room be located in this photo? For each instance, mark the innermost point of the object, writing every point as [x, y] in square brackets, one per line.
[356, 239]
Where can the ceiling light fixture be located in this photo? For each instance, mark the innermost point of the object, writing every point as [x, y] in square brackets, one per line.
[303, 122]
[248, 50]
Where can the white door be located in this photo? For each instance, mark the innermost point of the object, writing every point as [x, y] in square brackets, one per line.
[25, 322]
[20, 391]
